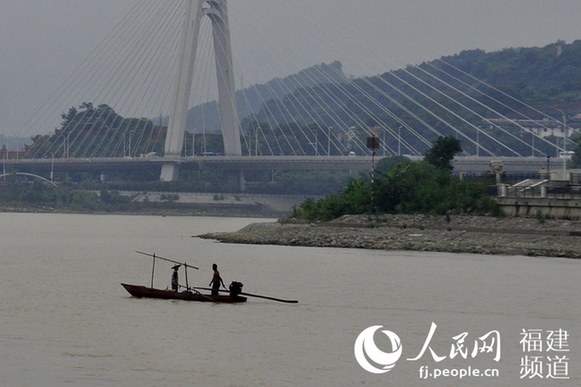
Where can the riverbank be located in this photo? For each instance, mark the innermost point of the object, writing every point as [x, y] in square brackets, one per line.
[185, 204]
[456, 234]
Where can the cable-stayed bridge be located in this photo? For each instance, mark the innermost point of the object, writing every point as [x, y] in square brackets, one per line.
[165, 57]
[470, 165]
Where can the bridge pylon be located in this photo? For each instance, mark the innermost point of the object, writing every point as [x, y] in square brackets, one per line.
[217, 11]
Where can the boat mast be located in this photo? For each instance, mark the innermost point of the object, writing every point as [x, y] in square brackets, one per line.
[152, 270]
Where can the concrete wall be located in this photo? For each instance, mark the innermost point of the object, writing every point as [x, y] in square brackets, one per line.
[553, 208]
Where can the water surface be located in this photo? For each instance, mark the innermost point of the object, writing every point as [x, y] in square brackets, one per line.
[67, 321]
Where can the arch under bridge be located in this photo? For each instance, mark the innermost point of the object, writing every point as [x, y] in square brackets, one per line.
[27, 174]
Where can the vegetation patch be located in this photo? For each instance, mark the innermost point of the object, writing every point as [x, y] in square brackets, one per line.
[425, 187]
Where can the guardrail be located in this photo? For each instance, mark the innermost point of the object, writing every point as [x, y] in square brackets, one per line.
[536, 192]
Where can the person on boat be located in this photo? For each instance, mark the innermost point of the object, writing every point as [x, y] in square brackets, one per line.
[216, 281]
[174, 278]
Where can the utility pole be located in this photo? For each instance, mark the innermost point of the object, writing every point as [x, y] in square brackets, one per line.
[329, 141]
[564, 155]
[372, 144]
[399, 141]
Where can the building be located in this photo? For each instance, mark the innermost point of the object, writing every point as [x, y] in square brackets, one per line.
[541, 128]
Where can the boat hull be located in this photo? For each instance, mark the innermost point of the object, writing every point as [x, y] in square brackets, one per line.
[145, 292]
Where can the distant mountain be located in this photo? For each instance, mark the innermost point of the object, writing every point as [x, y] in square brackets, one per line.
[445, 94]
[251, 99]
[542, 77]
[451, 95]
[539, 76]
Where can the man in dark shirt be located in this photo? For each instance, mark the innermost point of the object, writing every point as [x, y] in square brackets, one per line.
[174, 278]
[216, 281]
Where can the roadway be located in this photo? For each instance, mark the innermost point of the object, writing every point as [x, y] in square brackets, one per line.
[254, 163]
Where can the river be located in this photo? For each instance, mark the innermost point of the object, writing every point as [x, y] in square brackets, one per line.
[66, 320]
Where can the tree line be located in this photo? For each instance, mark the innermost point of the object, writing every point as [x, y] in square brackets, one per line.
[403, 186]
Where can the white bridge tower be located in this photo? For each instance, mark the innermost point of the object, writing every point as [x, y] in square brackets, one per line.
[217, 11]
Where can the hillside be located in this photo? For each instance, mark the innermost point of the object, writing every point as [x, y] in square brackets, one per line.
[451, 95]
[249, 100]
[475, 86]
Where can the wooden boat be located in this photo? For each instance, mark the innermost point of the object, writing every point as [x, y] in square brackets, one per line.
[192, 293]
[141, 291]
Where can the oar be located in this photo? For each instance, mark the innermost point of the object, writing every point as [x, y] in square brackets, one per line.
[269, 298]
[255, 295]
[167, 259]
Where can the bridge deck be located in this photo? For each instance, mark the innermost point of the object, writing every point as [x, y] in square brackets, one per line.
[362, 163]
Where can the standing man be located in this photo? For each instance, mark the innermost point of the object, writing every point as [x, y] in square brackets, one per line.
[174, 278]
[216, 281]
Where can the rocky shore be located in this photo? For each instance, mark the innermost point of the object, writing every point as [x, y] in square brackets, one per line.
[456, 234]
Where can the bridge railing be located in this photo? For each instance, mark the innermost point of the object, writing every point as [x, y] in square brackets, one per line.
[537, 192]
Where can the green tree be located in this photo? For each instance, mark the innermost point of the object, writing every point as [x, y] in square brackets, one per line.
[355, 198]
[442, 152]
[413, 187]
[388, 163]
[403, 186]
[39, 193]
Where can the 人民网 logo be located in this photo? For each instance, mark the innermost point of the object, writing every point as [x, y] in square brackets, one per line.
[373, 359]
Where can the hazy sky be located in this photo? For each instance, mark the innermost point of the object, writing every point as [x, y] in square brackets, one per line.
[43, 41]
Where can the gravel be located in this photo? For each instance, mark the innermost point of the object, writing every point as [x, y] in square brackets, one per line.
[455, 234]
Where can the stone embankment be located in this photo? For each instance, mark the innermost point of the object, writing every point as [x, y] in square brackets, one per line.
[456, 234]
